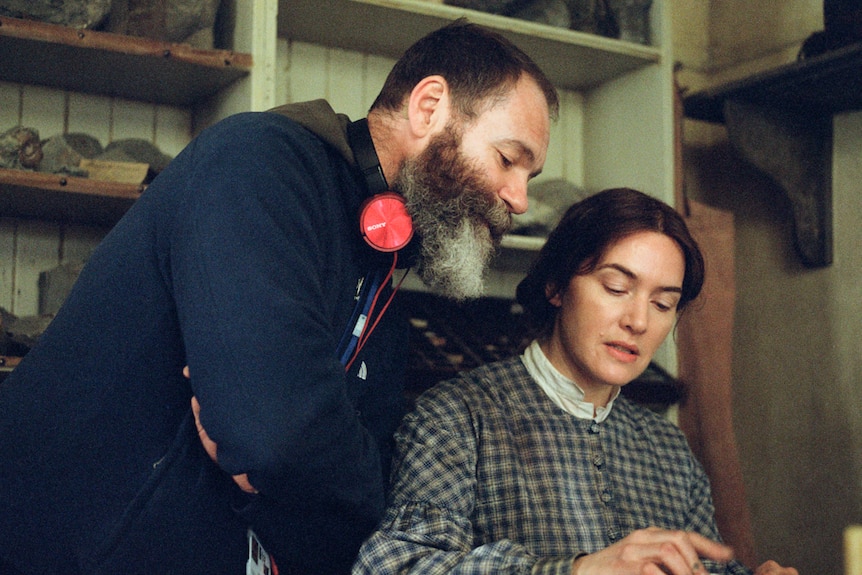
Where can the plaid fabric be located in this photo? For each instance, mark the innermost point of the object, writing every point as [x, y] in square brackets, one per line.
[490, 476]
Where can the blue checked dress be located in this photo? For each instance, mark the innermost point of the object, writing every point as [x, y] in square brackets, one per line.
[491, 476]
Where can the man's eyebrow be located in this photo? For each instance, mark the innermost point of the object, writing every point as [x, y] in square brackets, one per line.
[632, 275]
[524, 150]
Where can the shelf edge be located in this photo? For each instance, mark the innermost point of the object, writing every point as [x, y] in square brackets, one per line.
[519, 26]
[571, 59]
[70, 184]
[119, 43]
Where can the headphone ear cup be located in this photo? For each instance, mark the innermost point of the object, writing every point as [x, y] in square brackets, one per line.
[386, 226]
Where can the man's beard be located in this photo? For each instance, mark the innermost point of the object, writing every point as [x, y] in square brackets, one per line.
[456, 214]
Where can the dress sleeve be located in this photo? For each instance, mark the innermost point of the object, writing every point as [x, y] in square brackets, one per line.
[702, 517]
[427, 528]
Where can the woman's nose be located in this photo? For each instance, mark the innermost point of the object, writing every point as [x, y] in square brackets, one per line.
[636, 317]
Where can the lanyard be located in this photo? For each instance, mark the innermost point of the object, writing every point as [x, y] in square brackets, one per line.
[359, 328]
[364, 298]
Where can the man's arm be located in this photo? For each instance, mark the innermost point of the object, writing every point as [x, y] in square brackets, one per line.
[248, 264]
[211, 448]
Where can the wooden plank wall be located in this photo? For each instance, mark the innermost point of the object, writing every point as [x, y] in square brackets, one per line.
[28, 247]
[349, 80]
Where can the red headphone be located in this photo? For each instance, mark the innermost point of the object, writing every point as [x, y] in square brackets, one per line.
[385, 223]
[383, 219]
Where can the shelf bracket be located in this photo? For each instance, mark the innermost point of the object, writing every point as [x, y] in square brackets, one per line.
[781, 121]
[795, 150]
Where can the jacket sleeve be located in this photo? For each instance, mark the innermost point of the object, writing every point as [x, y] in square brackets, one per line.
[256, 242]
[427, 529]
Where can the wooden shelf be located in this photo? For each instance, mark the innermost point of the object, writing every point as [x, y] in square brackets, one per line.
[114, 64]
[571, 59]
[824, 85]
[524, 243]
[62, 198]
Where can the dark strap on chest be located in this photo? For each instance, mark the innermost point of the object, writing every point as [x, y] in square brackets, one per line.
[359, 138]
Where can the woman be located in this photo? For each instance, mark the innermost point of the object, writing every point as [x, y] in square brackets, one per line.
[537, 464]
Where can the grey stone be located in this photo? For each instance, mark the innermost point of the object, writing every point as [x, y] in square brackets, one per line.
[189, 21]
[549, 200]
[74, 13]
[550, 12]
[491, 6]
[86, 145]
[593, 17]
[21, 333]
[136, 150]
[632, 17]
[55, 285]
[20, 148]
[59, 157]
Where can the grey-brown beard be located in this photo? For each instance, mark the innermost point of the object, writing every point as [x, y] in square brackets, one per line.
[457, 216]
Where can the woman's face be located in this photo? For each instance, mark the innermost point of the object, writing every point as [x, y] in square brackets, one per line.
[612, 320]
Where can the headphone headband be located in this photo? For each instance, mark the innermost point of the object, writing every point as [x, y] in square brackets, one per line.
[359, 138]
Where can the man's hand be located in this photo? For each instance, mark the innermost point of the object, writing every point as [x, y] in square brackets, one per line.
[210, 446]
[656, 551]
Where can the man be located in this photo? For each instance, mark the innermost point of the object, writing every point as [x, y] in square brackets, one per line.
[244, 261]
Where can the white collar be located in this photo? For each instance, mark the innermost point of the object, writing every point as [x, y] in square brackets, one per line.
[562, 390]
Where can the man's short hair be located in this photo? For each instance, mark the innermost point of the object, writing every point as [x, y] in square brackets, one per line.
[478, 65]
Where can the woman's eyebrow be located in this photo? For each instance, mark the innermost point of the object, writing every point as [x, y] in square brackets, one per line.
[633, 276]
[620, 268]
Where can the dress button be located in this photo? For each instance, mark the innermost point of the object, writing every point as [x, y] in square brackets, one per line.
[607, 497]
[594, 428]
[598, 460]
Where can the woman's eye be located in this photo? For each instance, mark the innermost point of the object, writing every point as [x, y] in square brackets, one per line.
[615, 290]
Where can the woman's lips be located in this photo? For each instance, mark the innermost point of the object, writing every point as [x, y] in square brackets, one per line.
[622, 351]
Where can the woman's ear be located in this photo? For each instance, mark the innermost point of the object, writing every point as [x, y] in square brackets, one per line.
[428, 107]
[553, 295]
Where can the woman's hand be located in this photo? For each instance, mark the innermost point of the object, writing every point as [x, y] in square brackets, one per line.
[655, 551]
[773, 568]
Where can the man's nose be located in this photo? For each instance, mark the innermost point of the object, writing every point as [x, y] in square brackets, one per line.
[514, 193]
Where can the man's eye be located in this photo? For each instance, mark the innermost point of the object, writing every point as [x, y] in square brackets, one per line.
[507, 163]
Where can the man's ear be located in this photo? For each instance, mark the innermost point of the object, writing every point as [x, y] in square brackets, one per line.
[428, 108]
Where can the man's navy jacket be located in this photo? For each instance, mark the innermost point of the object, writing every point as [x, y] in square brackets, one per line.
[242, 261]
